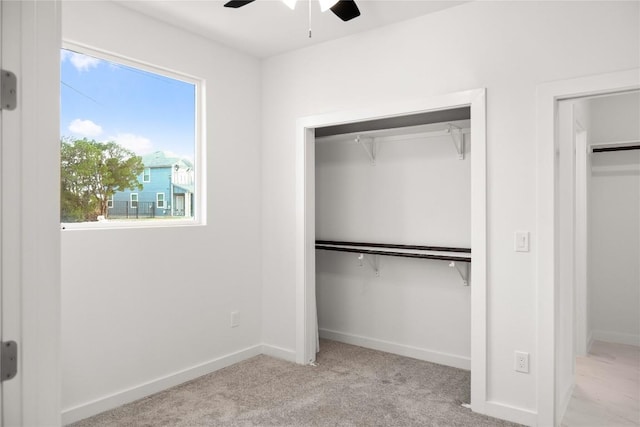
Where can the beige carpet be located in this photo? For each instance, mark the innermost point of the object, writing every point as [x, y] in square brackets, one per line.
[351, 386]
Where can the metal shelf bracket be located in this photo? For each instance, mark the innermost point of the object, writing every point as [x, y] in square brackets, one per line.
[375, 264]
[457, 137]
[464, 271]
[370, 146]
[8, 90]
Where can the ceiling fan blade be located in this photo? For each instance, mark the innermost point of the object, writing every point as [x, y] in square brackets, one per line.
[346, 10]
[238, 3]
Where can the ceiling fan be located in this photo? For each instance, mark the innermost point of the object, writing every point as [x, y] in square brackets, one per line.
[343, 9]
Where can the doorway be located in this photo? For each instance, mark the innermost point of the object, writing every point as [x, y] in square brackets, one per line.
[306, 319]
[598, 248]
[393, 220]
[555, 217]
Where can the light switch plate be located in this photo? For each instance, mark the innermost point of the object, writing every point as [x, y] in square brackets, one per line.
[235, 319]
[521, 243]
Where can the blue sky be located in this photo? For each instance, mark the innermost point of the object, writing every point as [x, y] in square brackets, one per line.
[141, 111]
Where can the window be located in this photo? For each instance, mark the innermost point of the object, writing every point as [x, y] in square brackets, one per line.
[128, 119]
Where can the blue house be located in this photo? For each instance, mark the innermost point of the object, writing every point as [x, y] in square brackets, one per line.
[168, 186]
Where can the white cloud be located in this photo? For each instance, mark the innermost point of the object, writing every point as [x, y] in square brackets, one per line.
[136, 143]
[85, 128]
[80, 61]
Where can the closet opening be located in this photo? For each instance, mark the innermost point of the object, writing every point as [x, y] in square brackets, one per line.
[391, 242]
[393, 236]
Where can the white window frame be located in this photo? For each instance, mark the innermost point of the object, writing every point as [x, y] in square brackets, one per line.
[110, 202]
[144, 174]
[199, 195]
[158, 200]
[136, 201]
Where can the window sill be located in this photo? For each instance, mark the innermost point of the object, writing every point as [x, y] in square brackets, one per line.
[124, 224]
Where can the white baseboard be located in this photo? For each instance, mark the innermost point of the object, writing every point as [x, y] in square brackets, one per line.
[511, 413]
[616, 337]
[589, 342]
[433, 356]
[77, 413]
[279, 352]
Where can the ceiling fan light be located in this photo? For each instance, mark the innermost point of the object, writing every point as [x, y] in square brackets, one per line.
[290, 3]
[327, 4]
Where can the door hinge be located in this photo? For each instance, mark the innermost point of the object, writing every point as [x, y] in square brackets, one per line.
[8, 360]
[8, 90]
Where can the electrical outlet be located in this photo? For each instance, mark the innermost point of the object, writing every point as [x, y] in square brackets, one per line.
[235, 319]
[522, 362]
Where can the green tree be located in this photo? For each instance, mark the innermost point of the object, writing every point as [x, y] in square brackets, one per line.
[91, 172]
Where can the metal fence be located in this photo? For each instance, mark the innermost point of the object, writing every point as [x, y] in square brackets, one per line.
[127, 209]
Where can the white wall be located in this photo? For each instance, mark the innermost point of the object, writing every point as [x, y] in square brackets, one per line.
[418, 192]
[507, 47]
[614, 221]
[139, 305]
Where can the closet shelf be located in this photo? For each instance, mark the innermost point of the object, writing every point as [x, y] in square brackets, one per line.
[406, 251]
[369, 140]
[615, 146]
[453, 255]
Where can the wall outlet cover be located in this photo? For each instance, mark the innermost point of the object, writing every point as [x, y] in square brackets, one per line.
[522, 362]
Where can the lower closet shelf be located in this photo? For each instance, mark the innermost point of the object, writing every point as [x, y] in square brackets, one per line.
[453, 255]
[407, 251]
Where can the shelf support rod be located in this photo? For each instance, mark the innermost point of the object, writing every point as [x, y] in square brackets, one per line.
[370, 149]
[464, 271]
[457, 137]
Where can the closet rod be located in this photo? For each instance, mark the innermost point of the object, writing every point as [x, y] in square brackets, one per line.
[391, 253]
[395, 246]
[620, 148]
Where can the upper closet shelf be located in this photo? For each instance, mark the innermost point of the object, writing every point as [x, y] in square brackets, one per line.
[369, 140]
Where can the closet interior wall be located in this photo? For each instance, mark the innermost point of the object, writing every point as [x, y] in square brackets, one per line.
[417, 192]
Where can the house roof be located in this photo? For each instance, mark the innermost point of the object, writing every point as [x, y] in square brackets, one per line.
[159, 159]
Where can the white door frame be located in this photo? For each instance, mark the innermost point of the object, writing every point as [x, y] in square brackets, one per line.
[306, 321]
[548, 96]
[30, 228]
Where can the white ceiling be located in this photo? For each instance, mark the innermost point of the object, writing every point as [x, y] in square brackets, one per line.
[268, 27]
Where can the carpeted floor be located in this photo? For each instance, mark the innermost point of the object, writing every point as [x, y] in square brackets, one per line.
[351, 386]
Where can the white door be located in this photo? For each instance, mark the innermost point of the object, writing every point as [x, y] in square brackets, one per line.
[29, 211]
[10, 389]
[179, 205]
[1, 204]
